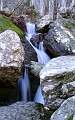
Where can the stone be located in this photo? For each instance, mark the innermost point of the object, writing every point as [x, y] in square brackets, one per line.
[11, 54]
[57, 79]
[30, 54]
[11, 61]
[57, 42]
[66, 35]
[19, 21]
[43, 24]
[20, 111]
[36, 39]
[66, 111]
[35, 68]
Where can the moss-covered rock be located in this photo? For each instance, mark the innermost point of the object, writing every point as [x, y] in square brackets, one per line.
[45, 113]
[6, 23]
[69, 25]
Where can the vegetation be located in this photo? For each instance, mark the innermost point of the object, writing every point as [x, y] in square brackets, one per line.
[45, 113]
[70, 117]
[69, 25]
[5, 24]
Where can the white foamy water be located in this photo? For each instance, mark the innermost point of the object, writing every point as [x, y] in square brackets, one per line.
[25, 87]
[38, 96]
[43, 58]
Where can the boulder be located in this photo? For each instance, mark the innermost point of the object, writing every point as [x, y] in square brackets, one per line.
[36, 39]
[6, 23]
[19, 21]
[20, 111]
[66, 110]
[57, 79]
[35, 68]
[58, 40]
[11, 60]
[30, 54]
[43, 24]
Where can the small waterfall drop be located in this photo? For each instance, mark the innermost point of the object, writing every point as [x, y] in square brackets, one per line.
[38, 96]
[43, 58]
[30, 30]
[24, 86]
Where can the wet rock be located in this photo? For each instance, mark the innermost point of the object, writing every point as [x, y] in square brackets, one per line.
[30, 54]
[35, 68]
[43, 24]
[19, 21]
[36, 39]
[57, 42]
[66, 110]
[20, 111]
[57, 80]
[11, 59]
[66, 36]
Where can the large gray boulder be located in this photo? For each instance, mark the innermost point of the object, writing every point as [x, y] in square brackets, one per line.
[11, 59]
[59, 40]
[43, 24]
[20, 111]
[66, 110]
[57, 80]
[11, 55]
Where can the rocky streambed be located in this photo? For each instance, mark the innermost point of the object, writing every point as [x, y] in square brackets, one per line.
[56, 78]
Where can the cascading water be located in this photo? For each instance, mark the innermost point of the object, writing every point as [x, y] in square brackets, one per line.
[24, 86]
[43, 58]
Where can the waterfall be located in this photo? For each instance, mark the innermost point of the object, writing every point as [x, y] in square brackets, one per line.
[43, 58]
[24, 87]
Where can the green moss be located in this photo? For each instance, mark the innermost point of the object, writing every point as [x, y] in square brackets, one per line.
[69, 25]
[5, 24]
[45, 114]
[70, 117]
